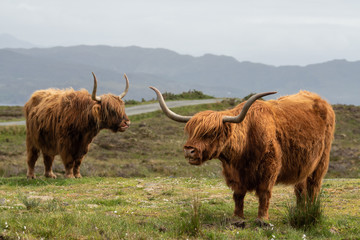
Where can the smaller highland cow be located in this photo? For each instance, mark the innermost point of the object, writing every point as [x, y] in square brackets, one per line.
[286, 141]
[64, 122]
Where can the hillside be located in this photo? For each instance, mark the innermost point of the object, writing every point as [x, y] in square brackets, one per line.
[23, 71]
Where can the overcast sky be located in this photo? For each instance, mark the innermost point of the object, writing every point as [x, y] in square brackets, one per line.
[277, 32]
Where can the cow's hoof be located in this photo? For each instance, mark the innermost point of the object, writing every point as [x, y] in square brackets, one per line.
[31, 177]
[239, 223]
[78, 175]
[50, 175]
[261, 223]
[69, 176]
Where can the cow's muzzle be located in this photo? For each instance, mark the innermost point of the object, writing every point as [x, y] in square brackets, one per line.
[192, 154]
[124, 126]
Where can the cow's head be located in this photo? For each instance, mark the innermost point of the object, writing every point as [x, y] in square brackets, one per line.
[208, 131]
[110, 109]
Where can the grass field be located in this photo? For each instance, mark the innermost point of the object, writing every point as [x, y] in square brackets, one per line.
[137, 185]
[160, 208]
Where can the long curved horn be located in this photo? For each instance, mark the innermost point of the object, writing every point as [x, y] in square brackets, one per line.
[167, 111]
[239, 118]
[93, 96]
[126, 88]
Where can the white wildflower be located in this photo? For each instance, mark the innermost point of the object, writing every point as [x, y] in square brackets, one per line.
[115, 211]
[24, 227]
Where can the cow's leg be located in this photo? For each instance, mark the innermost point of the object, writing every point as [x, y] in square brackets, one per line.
[32, 156]
[48, 161]
[264, 202]
[300, 193]
[77, 164]
[238, 197]
[68, 164]
[263, 191]
[313, 182]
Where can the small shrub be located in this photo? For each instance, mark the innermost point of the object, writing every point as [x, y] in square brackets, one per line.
[131, 102]
[231, 101]
[191, 94]
[306, 214]
[249, 96]
[30, 203]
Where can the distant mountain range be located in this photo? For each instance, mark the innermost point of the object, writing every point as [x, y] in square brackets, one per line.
[8, 41]
[23, 71]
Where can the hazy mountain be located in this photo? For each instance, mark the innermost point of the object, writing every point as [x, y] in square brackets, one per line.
[23, 71]
[8, 41]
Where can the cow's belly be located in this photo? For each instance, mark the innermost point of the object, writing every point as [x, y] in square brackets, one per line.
[299, 164]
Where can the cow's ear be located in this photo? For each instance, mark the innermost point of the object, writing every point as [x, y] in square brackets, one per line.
[96, 111]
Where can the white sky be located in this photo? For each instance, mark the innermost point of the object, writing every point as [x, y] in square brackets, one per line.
[277, 32]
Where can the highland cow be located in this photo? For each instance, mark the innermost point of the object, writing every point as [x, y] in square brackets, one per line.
[286, 141]
[64, 122]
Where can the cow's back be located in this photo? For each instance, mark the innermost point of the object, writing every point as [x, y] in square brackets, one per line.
[305, 126]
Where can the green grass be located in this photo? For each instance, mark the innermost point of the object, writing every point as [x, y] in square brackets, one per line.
[161, 208]
[306, 214]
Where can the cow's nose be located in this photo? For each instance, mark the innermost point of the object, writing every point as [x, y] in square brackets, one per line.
[127, 123]
[189, 151]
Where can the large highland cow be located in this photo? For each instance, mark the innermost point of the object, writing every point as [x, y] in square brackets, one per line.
[286, 141]
[64, 122]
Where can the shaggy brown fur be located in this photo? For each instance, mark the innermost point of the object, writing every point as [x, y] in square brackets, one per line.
[280, 141]
[64, 122]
